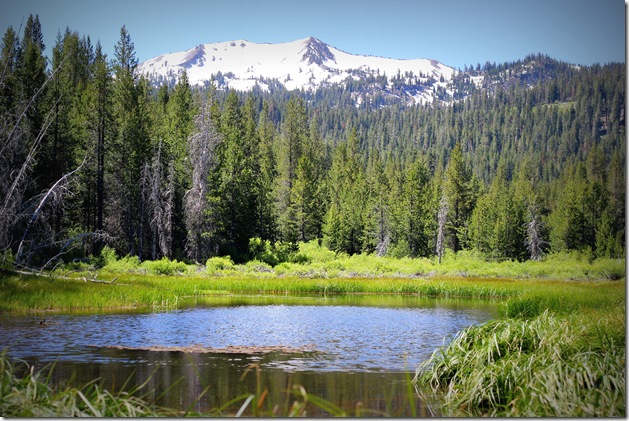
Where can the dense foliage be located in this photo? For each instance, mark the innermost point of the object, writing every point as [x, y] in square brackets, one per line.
[529, 162]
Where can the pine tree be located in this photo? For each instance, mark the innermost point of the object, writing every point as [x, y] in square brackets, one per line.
[266, 212]
[289, 150]
[129, 151]
[233, 188]
[101, 92]
[178, 113]
[461, 195]
[30, 75]
[309, 188]
[344, 226]
[377, 217]
[418, 209]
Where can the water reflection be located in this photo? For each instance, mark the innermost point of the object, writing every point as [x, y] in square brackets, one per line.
[186, 376]
[364, 345]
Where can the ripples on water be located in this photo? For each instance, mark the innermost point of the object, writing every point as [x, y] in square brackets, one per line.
[363, 351]
[347, 338]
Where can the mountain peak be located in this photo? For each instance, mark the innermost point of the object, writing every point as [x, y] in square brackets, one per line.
[316, 52]
[307, 64]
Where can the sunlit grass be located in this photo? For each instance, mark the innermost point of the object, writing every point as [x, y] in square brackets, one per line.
[546, 366]
[315, 261]
[158, 292]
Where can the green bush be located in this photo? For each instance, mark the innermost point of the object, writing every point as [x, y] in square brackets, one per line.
[215, 265]
[399, 250]
[315, 252]
[256, 266]
[276, 253]
[164, 266]
[125, 264]
[6, 259]
[107, 256]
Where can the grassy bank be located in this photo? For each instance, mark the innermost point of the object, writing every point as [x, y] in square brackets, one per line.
[548, 358]
[312, 269]
[19, 293]
[311, 260]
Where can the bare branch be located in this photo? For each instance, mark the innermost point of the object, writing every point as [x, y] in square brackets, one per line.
[52, 192]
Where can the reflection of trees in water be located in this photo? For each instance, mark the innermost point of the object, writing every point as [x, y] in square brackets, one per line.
[176, 380]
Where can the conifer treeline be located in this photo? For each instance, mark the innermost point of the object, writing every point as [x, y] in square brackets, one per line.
[511, 171]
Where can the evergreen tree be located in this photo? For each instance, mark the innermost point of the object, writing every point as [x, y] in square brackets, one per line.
[309, 188]
[30, 75]
[289, 151]
[179, 112]
[461, 195]
[266, 211]
[233, 188]
[101, 122]
[377, 217]
[129, 151]
[344, 225]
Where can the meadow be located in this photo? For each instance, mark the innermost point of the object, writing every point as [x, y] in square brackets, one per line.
[556, 349]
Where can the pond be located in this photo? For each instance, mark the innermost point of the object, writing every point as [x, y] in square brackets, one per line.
[349, 350]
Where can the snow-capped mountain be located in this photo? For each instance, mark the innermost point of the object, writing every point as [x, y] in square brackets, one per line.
[306, 64]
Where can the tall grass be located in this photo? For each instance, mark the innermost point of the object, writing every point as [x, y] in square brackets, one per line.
[545, 366]
[25, 393]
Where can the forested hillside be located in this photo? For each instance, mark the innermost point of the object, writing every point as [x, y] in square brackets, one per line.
[530, 162]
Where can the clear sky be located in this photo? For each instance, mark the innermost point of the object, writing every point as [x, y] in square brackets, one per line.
[455, 32]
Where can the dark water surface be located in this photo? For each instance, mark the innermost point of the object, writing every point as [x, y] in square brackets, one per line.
[363, 347]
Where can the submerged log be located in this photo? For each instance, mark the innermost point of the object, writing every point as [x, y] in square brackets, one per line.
[238, 349]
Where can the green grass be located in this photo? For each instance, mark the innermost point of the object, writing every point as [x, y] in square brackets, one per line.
[25, 393]
[158, 292]
[539, 363]
[314, 261]
[558, 350]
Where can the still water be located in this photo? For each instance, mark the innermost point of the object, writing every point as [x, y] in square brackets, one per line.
[348, 350]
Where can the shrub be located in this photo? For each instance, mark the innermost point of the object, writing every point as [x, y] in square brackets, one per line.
[107, 256]
[164, 266]
[256, 266]
[218, 264]
[315, 252]
[6, 258]
[399, 250]
[125, 264]
[276, 253]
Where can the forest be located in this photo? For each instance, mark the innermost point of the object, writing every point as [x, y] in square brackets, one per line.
[93, 155]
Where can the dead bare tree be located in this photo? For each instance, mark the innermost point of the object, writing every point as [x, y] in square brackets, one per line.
[534, 241]
[441, 223]
[201, 145]
[54, 194]
[26, 217]
[16, 163]
[159, 195]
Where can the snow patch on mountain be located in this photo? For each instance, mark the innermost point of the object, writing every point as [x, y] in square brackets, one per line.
[305, 64]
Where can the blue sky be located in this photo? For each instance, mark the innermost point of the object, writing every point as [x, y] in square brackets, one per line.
[455, 32]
